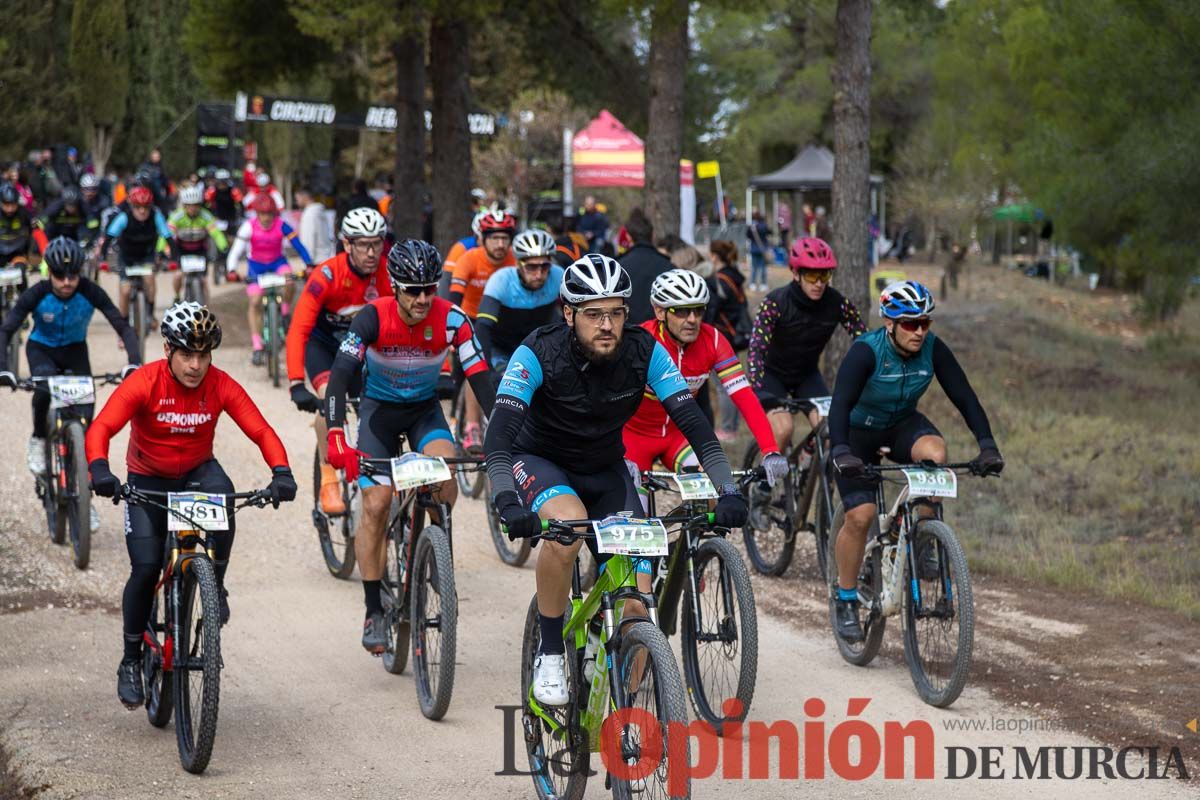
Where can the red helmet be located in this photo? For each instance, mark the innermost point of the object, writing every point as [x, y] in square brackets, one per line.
[140, 196]
[497, 222]
[810, 252]
[263, 204]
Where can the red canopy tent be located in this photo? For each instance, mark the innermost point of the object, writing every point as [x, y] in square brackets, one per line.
[606, 153]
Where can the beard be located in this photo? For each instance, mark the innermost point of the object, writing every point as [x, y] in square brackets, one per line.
[596, 357]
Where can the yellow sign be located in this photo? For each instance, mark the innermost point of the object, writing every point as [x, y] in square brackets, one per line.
[708, 169]
[1192, 726]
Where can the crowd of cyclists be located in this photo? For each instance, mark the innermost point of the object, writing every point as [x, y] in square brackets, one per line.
[569, 396]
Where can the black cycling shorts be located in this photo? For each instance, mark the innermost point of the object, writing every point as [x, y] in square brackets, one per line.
[382, 425]
[865, 443]
[45, 361]
[773, 390]
[319, 353]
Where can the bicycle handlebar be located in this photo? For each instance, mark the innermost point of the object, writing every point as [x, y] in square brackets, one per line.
[130, 494]
[568, 531]
[30, 384]
[960, 467]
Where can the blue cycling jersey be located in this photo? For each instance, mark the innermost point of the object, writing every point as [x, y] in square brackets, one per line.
[508, 312]
[58, 322]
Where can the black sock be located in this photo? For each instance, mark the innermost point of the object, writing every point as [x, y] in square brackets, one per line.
[371, 591]
[133, 646]
[552, 635]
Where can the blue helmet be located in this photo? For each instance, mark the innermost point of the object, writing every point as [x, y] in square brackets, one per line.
[905, 300]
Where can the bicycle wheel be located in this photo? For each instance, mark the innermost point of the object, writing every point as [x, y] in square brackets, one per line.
[559, 758]
[395, 648]
[141, 314]
[197, 665]
[769, 532]
[55, 498]
[822, 519]
[515, 554]
[470, 483]
[655, 689]
[335, 534]
[434, 622]
[870, 585]
[720, 649]
[78, 496]
[271, 329]
[14, 353]
[159, 698]
[939, 630]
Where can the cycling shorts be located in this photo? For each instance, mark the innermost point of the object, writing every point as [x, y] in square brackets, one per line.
[772, 390]
[603, 492]
[319, 353]
[279, 266]
[673, 450]
[381, 426]
[865, 443]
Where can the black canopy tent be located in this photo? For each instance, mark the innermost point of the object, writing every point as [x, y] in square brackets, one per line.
[811, 170]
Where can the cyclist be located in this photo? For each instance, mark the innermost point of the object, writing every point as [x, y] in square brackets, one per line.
[516, 301]
[875, 399]
[455, 252]
[403, 341]
[792, 327]
[16, 227]
[262, 239]
[65, 216]
[95, 204]
[679, 299]
[224, 200]
[337, 290]
[567, 393]
[62, 307]
[173, 406]
[193, 228]
[140, 233]
[471, 275]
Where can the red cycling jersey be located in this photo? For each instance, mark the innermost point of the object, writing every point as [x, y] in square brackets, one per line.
[710, 351]
[172, 426]
[332, 296]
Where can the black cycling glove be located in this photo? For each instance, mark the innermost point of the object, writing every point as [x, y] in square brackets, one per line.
[847, 464]
[731, 511]
[104, 483]
[521, 522]
[304, 399]
[282, 486]
[988, 462]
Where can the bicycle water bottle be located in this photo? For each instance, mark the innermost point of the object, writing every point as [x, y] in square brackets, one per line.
[589, 653]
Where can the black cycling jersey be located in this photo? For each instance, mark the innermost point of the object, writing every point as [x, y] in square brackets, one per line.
[58, 220]
[791, 331]
[16, 232]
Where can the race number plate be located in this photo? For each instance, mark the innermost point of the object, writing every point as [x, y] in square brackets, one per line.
[193, 263]
[931, 482]
[822, 404]
[139, 271]
[205, 512]
[71, 390]
[695, 486]
[271, 281]
[414, 469]
[627, 536]
[10, 276]
[222, 225]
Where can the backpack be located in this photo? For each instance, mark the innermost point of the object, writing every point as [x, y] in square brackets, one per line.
[733, 313]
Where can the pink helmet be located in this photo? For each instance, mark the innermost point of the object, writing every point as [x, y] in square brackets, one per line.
[810, 252]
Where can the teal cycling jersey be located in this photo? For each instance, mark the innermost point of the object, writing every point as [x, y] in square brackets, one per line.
[896, 384]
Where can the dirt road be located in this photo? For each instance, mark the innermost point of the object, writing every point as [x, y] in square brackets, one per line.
[305, 713]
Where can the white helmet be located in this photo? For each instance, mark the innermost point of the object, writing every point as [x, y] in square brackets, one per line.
[89, 181]
[478, 219]
[678, 287]
[594, 277]
[262, 180]
[191, 195]
[363, 222]
[533, 244]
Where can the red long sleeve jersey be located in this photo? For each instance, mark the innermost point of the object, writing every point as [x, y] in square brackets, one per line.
[172, 426]
[710, 351]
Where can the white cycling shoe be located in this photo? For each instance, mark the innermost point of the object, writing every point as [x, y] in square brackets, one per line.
[35, 456]
[550, 680]
[93, 517]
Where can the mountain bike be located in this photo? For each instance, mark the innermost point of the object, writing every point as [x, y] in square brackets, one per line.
[273, 332]
[779, 514]
[617, 665]
[335, 533]
[470, 484]
[195, 271]
[425, 610]
[12, 283]
[64, 488]
[181, 660]
[934, 599]
[706, 582]
[141, 312]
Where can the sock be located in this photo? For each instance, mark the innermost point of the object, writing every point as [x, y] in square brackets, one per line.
[285, 308]
[328, 475]
[552, 635]
[847, 594]
[133, 646]
[371, 595]
[256, 341]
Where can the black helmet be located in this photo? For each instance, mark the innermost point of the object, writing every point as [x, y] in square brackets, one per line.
[191, 326]
[70, 196]
[414, 262]
[8, 194]
[63, 257]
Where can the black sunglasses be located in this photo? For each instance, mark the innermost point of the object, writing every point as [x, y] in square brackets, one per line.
[417, 291]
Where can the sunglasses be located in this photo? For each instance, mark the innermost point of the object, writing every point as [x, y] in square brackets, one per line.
[417, 291]
[536, 266]
[817, 275]
[367, 245]
[687, 311]
[914, 325]
[596, 316]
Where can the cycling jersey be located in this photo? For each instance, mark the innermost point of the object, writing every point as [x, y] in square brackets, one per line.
[471, 274]
[265, 247]
[456, 250]
[15, 232]
[57, 323]
[192, 233]
[791, 330]
[57, 221]
[508, 312]
[711, 351]
[567, 251]
[138, 240]
[173, 426]
[223, 202]
[334, 293]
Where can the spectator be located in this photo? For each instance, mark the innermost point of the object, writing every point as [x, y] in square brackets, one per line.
[159, 182]
[593, 224]
[808, 220]
[45, 183]
[669, 244]
[758, 236]
[731, 316]
[783, 218]
[315, 234]
[823, 231]
[643, 263]
[12, 175]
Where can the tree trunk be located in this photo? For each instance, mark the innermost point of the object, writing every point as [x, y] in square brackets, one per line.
[101, 148]
[409, 53]
[664, 134]
[449, 60]
[851, 76]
